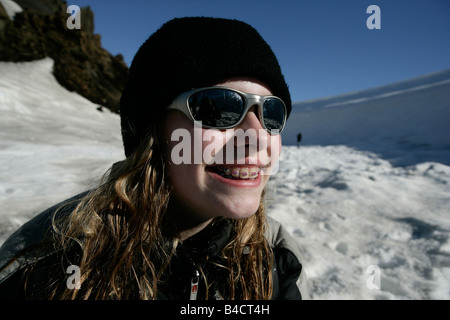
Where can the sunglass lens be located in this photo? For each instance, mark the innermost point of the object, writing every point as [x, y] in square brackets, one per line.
[218, 108]
[274, 114]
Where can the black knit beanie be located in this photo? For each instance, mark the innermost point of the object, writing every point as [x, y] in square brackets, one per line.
[189, 53]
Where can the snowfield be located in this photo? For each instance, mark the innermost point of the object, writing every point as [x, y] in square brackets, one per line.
[370, 214]
[53, 143]
[350, 210]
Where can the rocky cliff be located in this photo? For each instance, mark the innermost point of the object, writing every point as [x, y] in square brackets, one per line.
[80, 63]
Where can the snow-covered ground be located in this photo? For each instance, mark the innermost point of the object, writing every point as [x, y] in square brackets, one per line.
[11, 8]
[53, 143]
[349, 208]
[406, 122]
[370, 185]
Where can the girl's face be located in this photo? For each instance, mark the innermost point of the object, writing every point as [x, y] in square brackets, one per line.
[203, 189]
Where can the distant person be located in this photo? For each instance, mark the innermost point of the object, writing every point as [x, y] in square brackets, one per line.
[299, 139]
[158, 229]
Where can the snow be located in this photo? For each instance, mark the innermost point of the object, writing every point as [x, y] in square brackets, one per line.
[53, 143]
[406, 123]
[11, 8]
[356, 211]
[350, 209]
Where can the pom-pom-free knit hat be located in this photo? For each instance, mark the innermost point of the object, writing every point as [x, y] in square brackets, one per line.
[189, 53]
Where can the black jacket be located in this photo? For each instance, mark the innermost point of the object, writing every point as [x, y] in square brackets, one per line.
[288, 274]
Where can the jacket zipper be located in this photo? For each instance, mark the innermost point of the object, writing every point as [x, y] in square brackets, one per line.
[194, 285]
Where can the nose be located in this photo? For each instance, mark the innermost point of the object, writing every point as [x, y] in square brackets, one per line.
[253, 129]
[251, 120]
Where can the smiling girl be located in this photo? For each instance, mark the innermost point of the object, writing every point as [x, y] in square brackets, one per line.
[161, 228]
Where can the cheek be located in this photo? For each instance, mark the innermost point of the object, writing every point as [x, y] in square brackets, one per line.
[274, 152]
[213, 146]
[184, 173]
[184, 152]
[275, 145]
[185, 180]
[179, 139]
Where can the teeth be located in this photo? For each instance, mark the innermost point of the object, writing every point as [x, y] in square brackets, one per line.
[244, 173]
[253, 173]
[227, 171]
[239, 173]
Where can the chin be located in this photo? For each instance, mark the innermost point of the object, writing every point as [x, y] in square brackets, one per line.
[241, 216]
[241, 212]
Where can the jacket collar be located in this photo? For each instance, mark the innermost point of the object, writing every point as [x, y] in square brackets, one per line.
[210, 241]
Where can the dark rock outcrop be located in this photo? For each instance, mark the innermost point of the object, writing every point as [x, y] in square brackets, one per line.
[81, 64]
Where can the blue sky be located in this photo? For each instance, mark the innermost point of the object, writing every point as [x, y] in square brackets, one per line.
[324, 46]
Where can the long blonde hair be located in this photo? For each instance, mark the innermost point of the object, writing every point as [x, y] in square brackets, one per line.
[118, 231]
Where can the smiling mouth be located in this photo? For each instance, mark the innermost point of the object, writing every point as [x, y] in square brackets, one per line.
[236, 173]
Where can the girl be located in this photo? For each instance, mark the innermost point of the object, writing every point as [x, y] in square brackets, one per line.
[182, 217]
